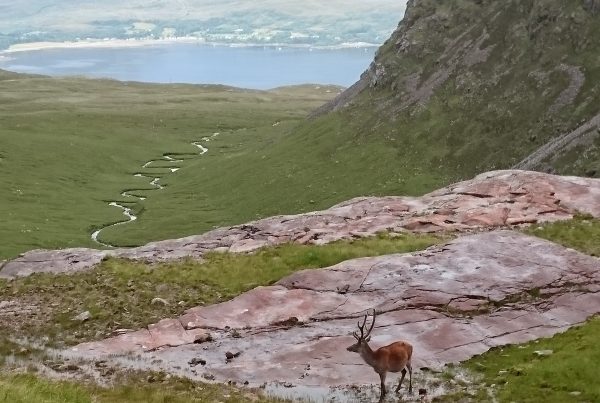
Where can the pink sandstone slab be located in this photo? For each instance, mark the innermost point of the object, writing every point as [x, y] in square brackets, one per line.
[451, 302]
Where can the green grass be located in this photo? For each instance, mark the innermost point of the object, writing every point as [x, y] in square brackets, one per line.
[68, 146]
[259, 173]
[118, 293]
[581, 233]
[134, 388]
[520, 375]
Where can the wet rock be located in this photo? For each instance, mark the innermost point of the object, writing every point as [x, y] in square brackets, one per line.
[83, 316]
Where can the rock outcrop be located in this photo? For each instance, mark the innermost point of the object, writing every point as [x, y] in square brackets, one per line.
[451, 302]
[491, 200]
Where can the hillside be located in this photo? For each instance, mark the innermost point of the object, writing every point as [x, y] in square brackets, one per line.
[463, 86]
[70, 146]
[509, 258]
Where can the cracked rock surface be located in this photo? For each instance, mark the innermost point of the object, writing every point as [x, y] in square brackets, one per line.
[451, 302]
[491, 200]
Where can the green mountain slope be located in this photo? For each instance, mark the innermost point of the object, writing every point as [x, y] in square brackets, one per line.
[473, 85]
[461, 87]
[70, 146]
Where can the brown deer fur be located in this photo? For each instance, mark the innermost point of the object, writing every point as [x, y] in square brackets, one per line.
[395, 357]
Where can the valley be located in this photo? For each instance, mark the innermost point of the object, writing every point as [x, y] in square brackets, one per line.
[72, 146]
[178, 242]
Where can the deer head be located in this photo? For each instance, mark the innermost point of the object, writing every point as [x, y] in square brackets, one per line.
[362, 339]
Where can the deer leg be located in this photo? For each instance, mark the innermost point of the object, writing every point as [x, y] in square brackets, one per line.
[409, 366]
[401, 379]
[383, 391]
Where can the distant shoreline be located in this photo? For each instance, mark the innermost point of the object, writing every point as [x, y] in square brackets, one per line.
[126, 43]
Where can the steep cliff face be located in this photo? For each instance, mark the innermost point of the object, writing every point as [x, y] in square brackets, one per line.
[468, 85]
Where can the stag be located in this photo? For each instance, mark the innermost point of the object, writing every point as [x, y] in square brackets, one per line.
[394, 357]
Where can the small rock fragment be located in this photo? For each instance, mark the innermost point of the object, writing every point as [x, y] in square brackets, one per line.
[230, 356]
[161, 301]
[196, 361]
[83, 316]
[202, 338]
[541, 353]
[119, 332]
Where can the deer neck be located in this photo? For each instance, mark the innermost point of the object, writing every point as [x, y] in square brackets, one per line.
[367, 354]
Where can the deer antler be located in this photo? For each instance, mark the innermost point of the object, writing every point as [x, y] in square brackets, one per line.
[362, 327]
[372, 323]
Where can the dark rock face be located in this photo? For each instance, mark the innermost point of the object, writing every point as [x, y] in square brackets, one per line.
[451, 302]
[491, 200]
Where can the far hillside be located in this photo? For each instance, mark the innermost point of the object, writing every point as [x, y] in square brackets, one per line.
[70, 146]
[465, 86]
[461, 87]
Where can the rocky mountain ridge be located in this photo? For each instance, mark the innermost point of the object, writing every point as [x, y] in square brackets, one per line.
[507, 84]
